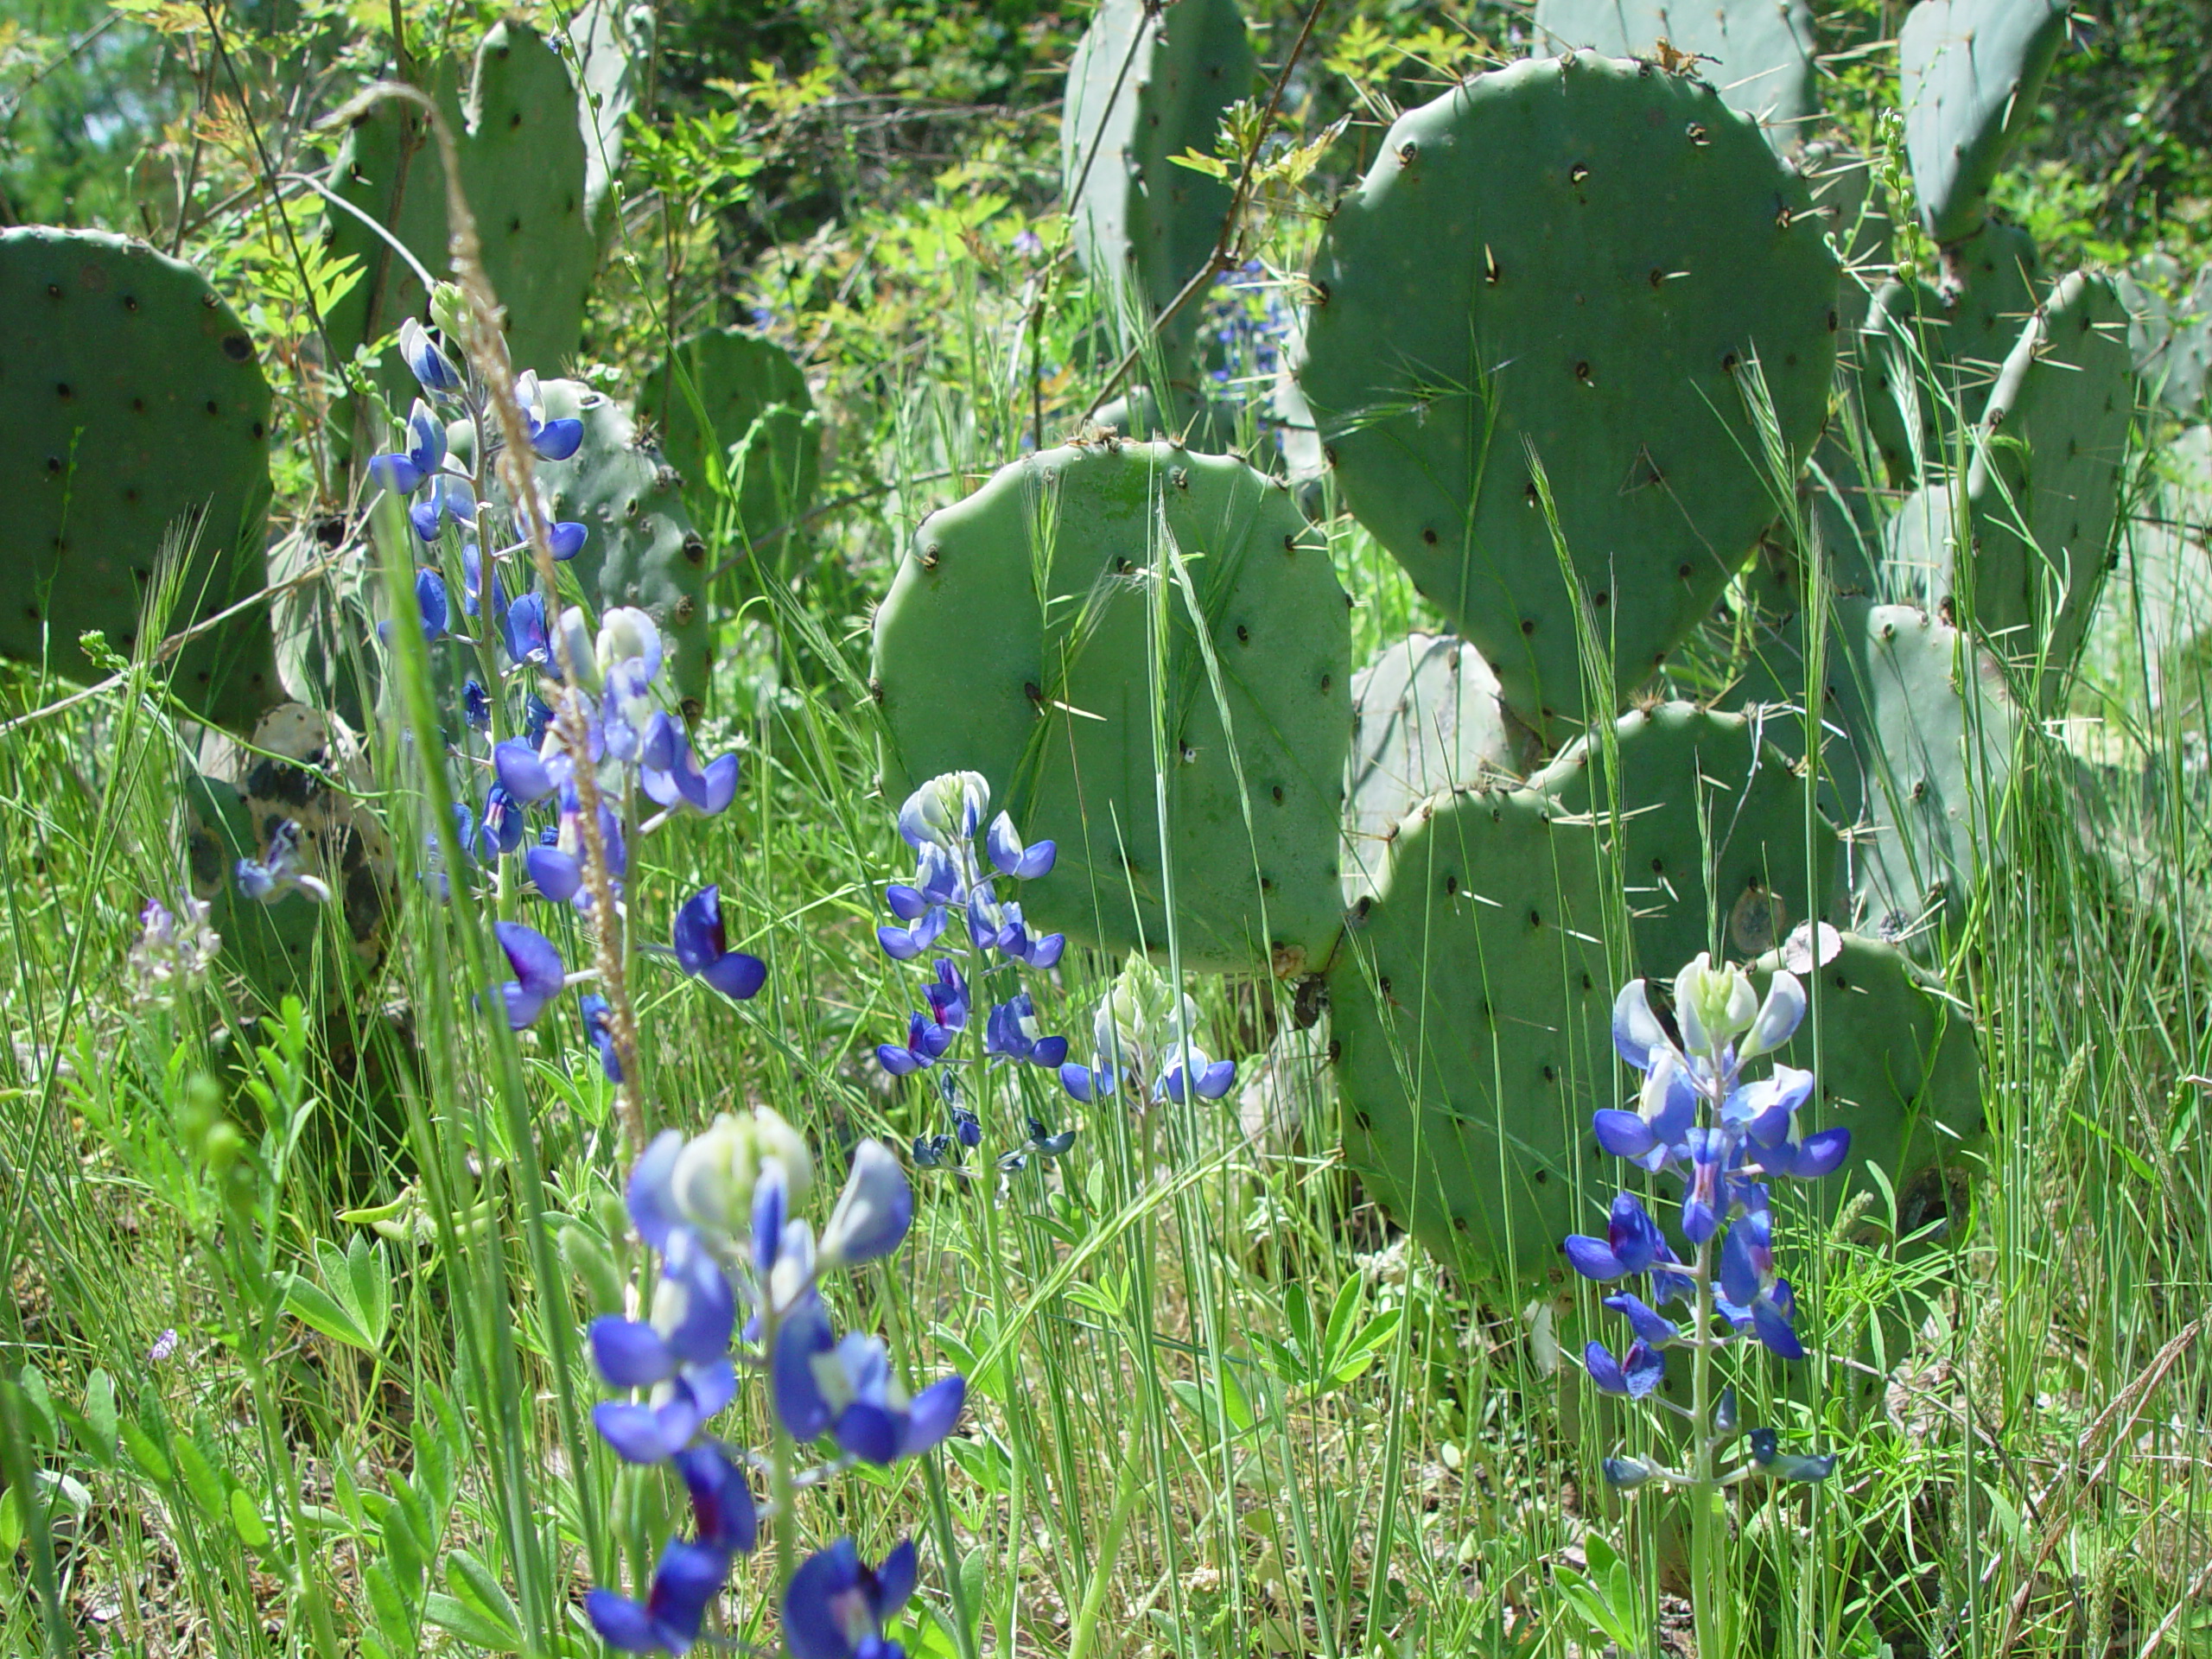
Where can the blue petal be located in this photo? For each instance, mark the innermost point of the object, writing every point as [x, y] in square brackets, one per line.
[812, 1626]
[1643, 1370]
[638, 1433]
[894, 1580]
[1045, 953]
[1050, 1051]
[567, 540]
[1648, 1326]
[722, 1499]
[897, 943]
[906, 903]
[556, 875]
[1739, 1275]
[397, 473]
[536, 964]
[1003, 844]
[651, 1199]
[1822, 1152]
[557, 440]
[935, 1413]
[689, 1576]
[621, 1623]
[697, 935]
[899, 1062]
[1604, 1371]
[1593, 1258]
[868, 1431]
[873, 1213]
[629, 1353]
[798, 1399]
[1772, 1327]
[737, 975]
[1214, 1080]
[1625, 1134]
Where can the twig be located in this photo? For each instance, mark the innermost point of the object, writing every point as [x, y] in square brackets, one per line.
[1220, 259]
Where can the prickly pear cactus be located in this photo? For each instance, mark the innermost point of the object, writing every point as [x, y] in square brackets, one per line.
[642, 550]
[1925, 769]
[759, 418]
[1856, 214]
[1757, 52]
[1146, 85]
[523, 166]
[1930, 352]
[1470, 1006]
[1897, 1067]
[1197, 423]
[137, 421]
[611, 42]
[1576, 260]
[2042, 491]
[284, 774]
[1425, 720]
[1017, 641]
[1709, 827]
[1968, 74]
[2170, 330]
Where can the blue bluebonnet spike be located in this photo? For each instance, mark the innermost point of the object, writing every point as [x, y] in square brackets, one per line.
[431, 368]
[596, 1012]
[836, 1605]
[945, 809]
[688, 1579]
[1012, 1032]
[476, 705]
[539, 974]
[873, 1212]
[1635, 1373]
[703, 948]
[723, 1510]
[1023, 863]
[1631, 1244]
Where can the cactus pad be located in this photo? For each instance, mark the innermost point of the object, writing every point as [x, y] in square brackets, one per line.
[1147, 85]
[1757, 52]
[522, 164]
[759, 416]
[612, 42]
[1742, 873]
[1931, 353]
[1929, 759]
[1470, 1004]
[1579, 258]
[2170, 330]
[641, 548]
[1968, 74]
[1425, 720]
[2043, 488]
[138, 411]
[1016, 642]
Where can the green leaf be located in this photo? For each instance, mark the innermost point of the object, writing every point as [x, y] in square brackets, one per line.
[472, 1582]
[1340, 1318]
[247, 1519]
[590, 1259]
[201, 1480]
[370, 1279]
[46, 1429]
[99, 1415]
[457, 1617]
[314, 1307]
[395, 1617]
[1359, 1353]
[145, 1453]
[11, 1521]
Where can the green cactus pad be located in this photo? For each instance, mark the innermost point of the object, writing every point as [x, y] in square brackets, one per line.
[641, 548]
[1470, 1004]
[2170, 330]
[1757, 52]
[1015, 642]
[1147, 85]
[1578, 257]
[611, 41]
[1925, 766]
[522, 167]
[1930, 354]
[2044, 487]
[1201, 423]
[1425, 720]
[1968, 74]
[138, 411]
[759, 417]
[1744, 871]
[1897, 1063]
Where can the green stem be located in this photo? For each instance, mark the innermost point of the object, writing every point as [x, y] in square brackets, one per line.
[1102, 1570]
[1705, 1591]
[783, 1490]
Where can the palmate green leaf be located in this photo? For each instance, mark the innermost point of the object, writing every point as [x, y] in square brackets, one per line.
[370, 1277]
[479, 1587]
[390, 1609]
[458, 1617]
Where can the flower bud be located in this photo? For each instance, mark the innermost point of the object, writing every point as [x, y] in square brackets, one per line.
[448, 306]
[779, 1142]
[627, 634]
[946, 811]
[1715, 1005]
[714, 1176]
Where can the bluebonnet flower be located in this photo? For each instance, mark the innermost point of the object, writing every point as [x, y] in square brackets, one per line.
[1012, 1032]
[1143, 1039]
[846, 1389]
[703, 948]
[597, 1032]
[835, 1604]
[671, 775]
[1728, 1139]
[539, 974]
[522, 771]
[277, 871]
[499, 830]
[523, 631]
[476, 705]
[403, 471]
[433, 371]
[565, 538]
[448, 498]
[173, 952]
[688, 1579]
[680, 1355]
[551, 439]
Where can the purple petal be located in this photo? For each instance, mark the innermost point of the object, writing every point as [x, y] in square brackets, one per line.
[567, 540]
[556, 875]
[899, 1062]
[697, 935]
[813, 1625]
[894, 1580]
[1593, 1258]
[906, 903]
[397, 473]
[621, 1623]
[934, 1412]
[1625, 1134]
[629, 1353]
[1050, 1051]
[1772, 1327]
[557, 440]
[1214, 1080]
[1822, 1152]
[1077, 1080]
[1644, 1368]
[536, 964]
[736, 976]
[870, 1432]
[1604, 1371]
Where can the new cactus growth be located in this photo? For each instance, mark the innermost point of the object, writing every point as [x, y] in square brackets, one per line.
[1147, 84]
[1709, 830]
[1930, 352]
[1575, 262]
[1757, 52]
[1470, 1004]
[140, 433]
[1035, 627]
[1425, 720]
[642, 550]
[523, 166]
[740, 404]
[2042, 491]
[1968, 74]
